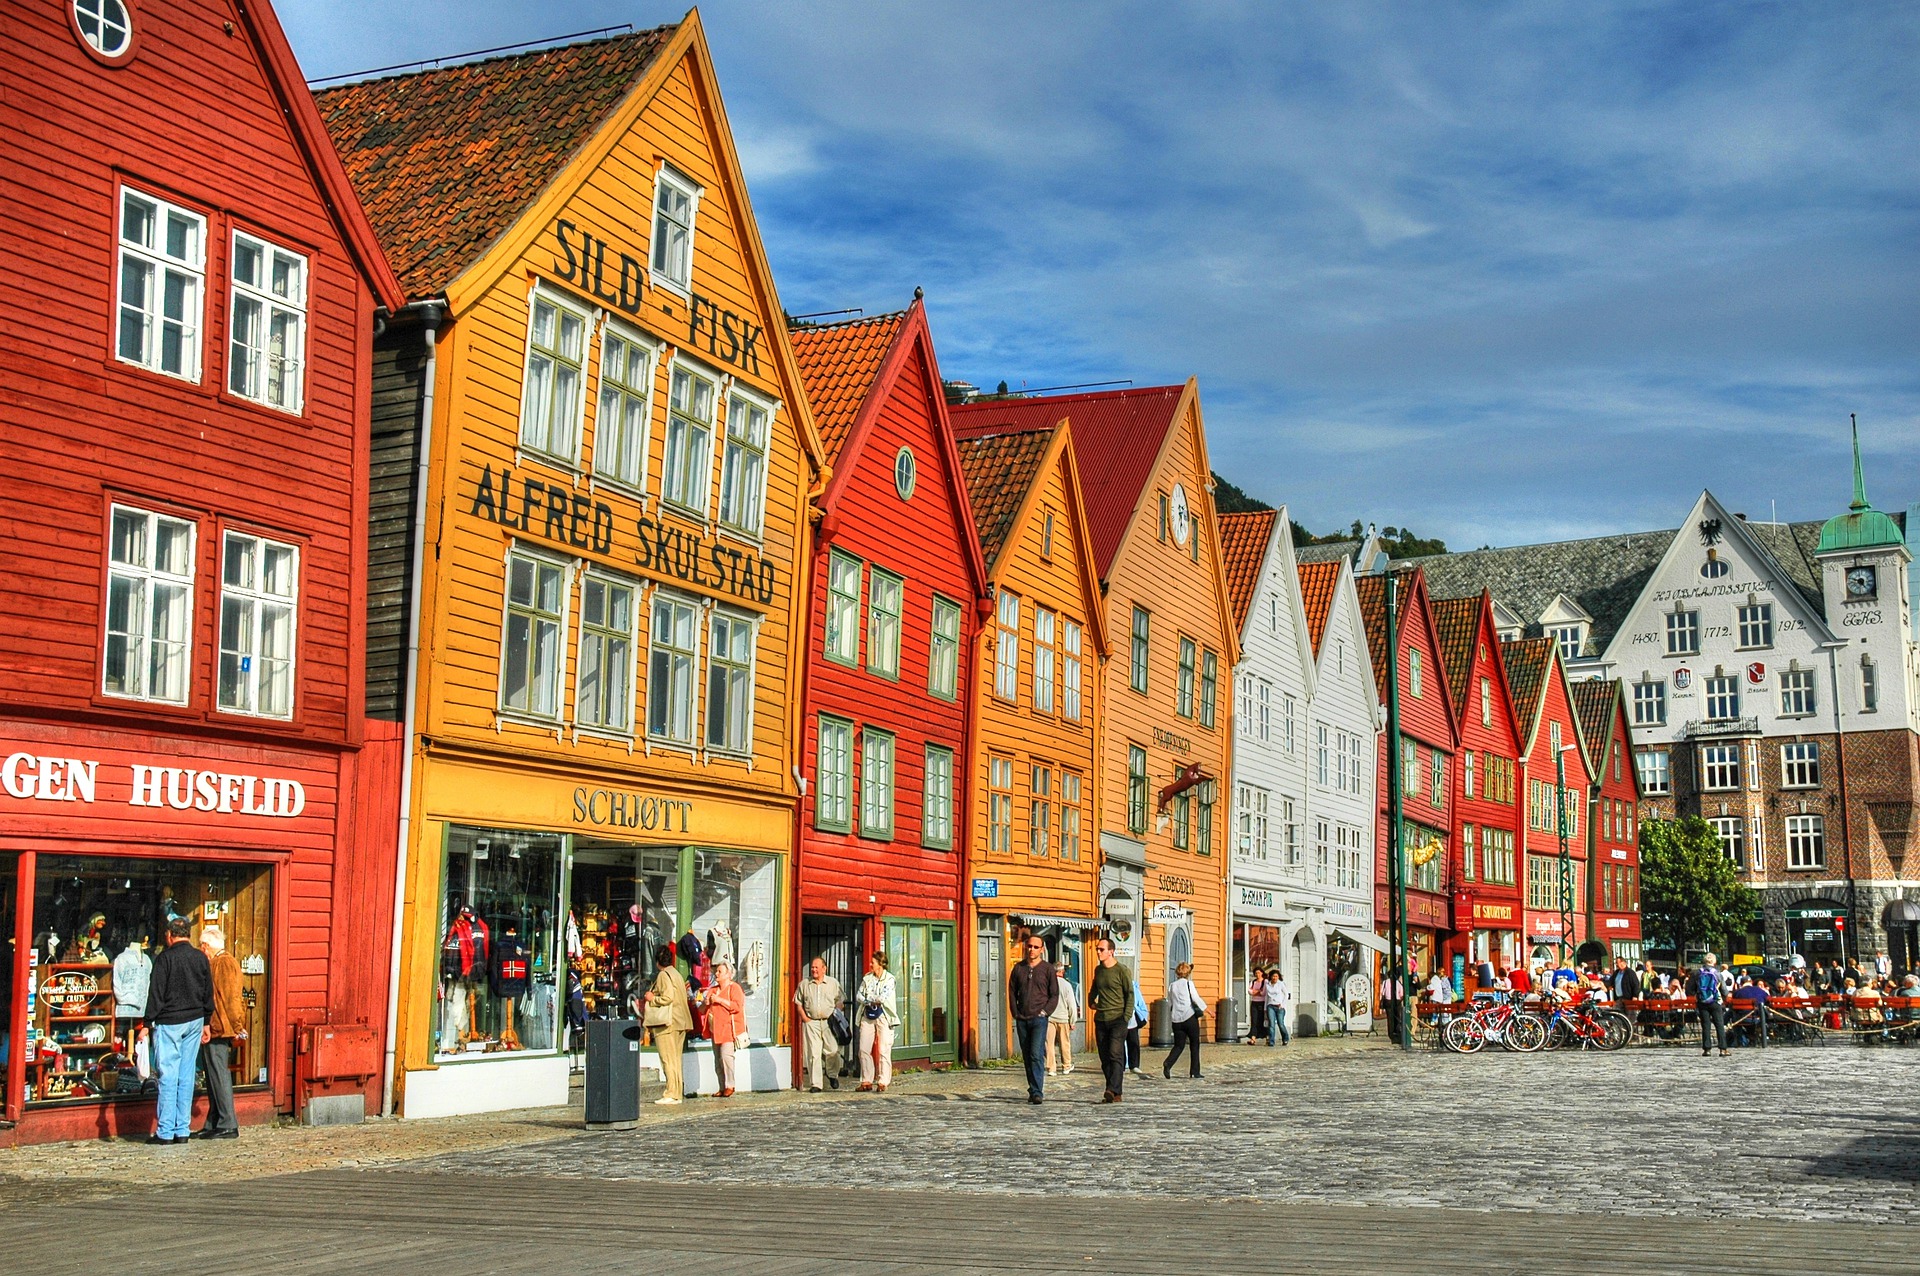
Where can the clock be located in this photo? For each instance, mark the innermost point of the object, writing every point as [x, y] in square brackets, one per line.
[1180, 516]
[1861, 582]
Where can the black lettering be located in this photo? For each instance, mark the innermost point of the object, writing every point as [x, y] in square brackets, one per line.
[685, 807]
[531, 493]
[718, 553]
[649, 812]
[556, 514]
[560, 229]
[602, 528]
[643, 553]
[631, 273]
[577, 522]
[750, 346]
[732, 353]
[579, 805]
[766, 581]
[483, 497]
[698, 306]
[599, 268]
[616, 808]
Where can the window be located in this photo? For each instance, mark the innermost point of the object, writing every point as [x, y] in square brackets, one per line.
[163, 263]
[1652, 766]
[1040, 825]
[1869, 685]
[533, 649]
[1322, 763]
[675, 200]
[1800, 765]
[1732, 831]
[1251, 840]
[1649, 704]
[1796, 693]
[1571, 638]
[936, 799]
[675, 636]
[1543, 882]
[1322, 852]
[876, 783]
[1466, 773]
[1070, 817]
[743, 464]
[833, 800]
[622, 422]
[1290, 832]
[1204, 843]
[943, 649]
[1723, 697]
[1437, 790]
[1289, 715]
[259, 580]
[1357, 776]
[603, 692]
[550, 394]
[1806, 841]
[1756, 625]
[1413, 672]
[906, 473]
[105, 25]
[1070, 671]
[1183, 821]
[1496, 856]
[1043, 653]
[269, 339]
[1719, 766]
[1006, 648]
[1000, 805]
[1466, 852]
[1486, 702]
[1183, 693]
[149, 606]
[1046, 535]
[1243, 702]
[730, 683]
[1273, 614]
[1410, 767]
[1165, 517]
[843, 608]
[1427, 876]
[684, 471]
[1683, 633]
[1137, 675]
[1209, 686]
[1136, 788]
[883, 623]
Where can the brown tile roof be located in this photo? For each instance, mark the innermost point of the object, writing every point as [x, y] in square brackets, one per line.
[999, 469]
[1316, 596]
[1243, 549]
[1456, 624]
[838, 363]
[1594, 700]
[1528, 662]
[1373, 618]
[447, 160]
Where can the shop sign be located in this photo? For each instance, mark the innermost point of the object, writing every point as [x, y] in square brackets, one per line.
[630, 810]
[986, 888]
[1358, 994]
[1350, 911]
[1167, 912]
[1175, 743]
[1176, 885]
[1618, 923]
[731, 337]
[1814, 911]
[1493, 912]
[1254, 897]
[32, 777]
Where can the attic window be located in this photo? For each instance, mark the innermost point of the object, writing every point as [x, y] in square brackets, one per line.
[905, 473]
[1571, 637]
[675, 202]
[1046, 535]
[105, 28]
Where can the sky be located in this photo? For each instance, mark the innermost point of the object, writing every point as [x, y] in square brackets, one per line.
[1501, 273]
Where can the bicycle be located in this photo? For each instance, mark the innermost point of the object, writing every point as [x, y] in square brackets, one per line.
[1506, 1023]
[1590, 1025]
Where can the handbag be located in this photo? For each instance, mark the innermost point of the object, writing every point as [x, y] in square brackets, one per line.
[657, 1016]
[837, 1024]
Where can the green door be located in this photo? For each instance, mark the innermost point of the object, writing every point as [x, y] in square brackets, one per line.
[920, 954]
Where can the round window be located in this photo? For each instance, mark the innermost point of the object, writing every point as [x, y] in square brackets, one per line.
[904, 473]
[105, 26]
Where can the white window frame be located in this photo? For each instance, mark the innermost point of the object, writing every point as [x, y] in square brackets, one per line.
[559, 439]
[999, 805]
[687, 702]
[620, 451]
[258, 600]
[1322, 852]
[1413, 672]
[1322, 755]
[1572, 639]
[1655, 771]
[879, 781]
[943, 649]
[936, 798]
[1040, 810]
[251, 366]
[1466, 773]
[1683, 632]
[743, 463]
[1071, 817]
[1140, 649]
[614, 714]
[1869, 685]
[1072, 700]
[1290, 832]
[693, 476]
[1799, 697]
[1183, 700]
[1650, 702]
[101, 22]
[1006, 647]
[1806, 841]
[149, 312]
[1045, 633]
[1733, 837]
[1289, 724]
[1721, 691]
[1800, 764]
[1251, 841]
[1486, 702]
[661, 272]
[536, 615]
[1754, 626]
[736, 738]
[146, 583]
[1719, 768]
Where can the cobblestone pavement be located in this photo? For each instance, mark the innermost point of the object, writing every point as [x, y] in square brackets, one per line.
[1784, 1134]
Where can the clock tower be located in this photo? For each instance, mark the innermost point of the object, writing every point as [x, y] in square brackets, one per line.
[1863, 561]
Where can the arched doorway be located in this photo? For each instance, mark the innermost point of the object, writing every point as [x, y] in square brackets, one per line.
[1304, 978]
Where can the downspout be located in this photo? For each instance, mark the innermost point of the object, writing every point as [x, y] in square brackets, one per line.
[432, 315]
[1846, 822]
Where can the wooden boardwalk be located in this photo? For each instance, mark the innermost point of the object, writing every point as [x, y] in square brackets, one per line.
[376, 1221]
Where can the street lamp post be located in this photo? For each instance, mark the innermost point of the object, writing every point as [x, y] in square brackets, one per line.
[1566, 855]
[1396, 866]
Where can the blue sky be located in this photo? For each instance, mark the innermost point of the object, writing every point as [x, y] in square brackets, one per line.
[1501, 273]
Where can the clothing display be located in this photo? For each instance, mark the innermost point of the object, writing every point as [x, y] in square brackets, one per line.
[132, 971]
[463, 953]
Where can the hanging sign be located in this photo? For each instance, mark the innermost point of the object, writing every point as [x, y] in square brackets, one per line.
[1167, 912]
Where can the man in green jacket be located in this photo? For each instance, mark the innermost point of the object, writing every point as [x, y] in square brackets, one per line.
[1110, 1001]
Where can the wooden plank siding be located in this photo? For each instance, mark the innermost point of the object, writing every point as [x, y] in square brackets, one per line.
[1556, 713]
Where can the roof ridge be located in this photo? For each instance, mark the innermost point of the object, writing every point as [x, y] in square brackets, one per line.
[334, 86]
[796, 325]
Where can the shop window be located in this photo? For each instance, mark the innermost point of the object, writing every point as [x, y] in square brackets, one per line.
[936, 799]
[676, 202]
[1183, 693]
[1136, 789]
[1006, 647]
[532, 648]
[149, 606]
[685, 468]
[603, 694]
[1043, 658]
[743, 463]
[1071, 816]
[920, 957]
[1000, 805]
[550, 402]
[833, 779]
[624, 903]
[97, 921]
[735, 909]
[498, 924]
[1040, 823]
[673, 652]
[625, 416]
[943, 651]
[1071, 704]
[1137, 672]
[259, 581]
[876, 783]
[730, 683]
[843, 608]
[163, 263]
[1209, 686]
[267, 362]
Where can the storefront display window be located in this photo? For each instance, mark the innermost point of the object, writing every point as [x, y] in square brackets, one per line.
[625, 904]
[735, 903]
[96, 923]
[499, 924]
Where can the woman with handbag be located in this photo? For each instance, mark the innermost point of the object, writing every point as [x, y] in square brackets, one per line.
[670, 1018]
[726, 1022]
[1183, 1001]
[879, 1016]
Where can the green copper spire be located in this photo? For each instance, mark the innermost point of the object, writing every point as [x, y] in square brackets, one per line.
[1865, 527]
[1859, 478]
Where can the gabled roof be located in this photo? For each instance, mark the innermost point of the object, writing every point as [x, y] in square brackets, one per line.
[1603, 575]
[839, 363]
[1117, 435]
[1244, 539]
[999, 470]
[1529, 661]
[447, 160]
[1412, 595]
[1595, 701]
[1329, 552]
[1456, 626]
[1317, 582]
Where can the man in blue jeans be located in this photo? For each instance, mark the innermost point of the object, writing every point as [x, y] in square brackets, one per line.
[1033, 992]
[179, 1000]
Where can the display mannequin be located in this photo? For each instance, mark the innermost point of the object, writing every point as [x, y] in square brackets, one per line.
[464, 957]
[508, 974]
[132, 972]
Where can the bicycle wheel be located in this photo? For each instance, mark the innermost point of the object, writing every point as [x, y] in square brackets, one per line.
[1525, 1033]
[1559, 1033]
[1464, 1035]
[1619, 1031]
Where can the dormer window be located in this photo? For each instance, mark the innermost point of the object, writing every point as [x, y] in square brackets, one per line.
[1572, 639]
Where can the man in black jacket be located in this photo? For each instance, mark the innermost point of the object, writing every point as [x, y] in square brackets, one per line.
[1623, 983]
[1033, 992]
[179, 1001]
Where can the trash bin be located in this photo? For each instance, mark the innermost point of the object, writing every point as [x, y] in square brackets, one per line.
[1226, 1020]
[1160, 1024]
[613, 1074]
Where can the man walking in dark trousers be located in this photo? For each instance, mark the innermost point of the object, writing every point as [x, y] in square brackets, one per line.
[179, 1002]
[1110, 1001]
[1710, 1001]
[1033, 992]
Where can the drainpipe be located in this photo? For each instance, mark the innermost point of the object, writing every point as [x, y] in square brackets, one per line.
[432, 315]
[1846, 821]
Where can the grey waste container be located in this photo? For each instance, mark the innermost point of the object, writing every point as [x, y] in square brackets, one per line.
[613, 1074]
[1160, 1024]
[1226, 1021]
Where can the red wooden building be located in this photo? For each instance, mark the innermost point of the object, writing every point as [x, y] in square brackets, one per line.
[1487, 903]
[1612, 901]
[189, 293]
[1429, 740]
[898, 583]
[1543, 703]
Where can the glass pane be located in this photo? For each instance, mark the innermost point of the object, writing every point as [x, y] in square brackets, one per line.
[520, 572]
[279, 574]
[246, 262]
[546, 666]
[240, 561]
[287, 277]
[551, 580]
[499, 953]
[129, 538]
[183, 238]
[518, 641]
[939, 1019]
[136, 220]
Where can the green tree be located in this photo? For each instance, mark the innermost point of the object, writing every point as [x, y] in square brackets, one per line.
[1230, 498]
[1689, 889]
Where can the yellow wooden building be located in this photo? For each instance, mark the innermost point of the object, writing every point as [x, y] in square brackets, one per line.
[1033, 862]
[592, 466]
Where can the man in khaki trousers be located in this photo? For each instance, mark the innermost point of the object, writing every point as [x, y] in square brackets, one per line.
[818, 997]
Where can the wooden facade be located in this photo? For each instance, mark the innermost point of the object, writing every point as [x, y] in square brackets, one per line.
[182, 569]
[1612, 901]
[1549, 729]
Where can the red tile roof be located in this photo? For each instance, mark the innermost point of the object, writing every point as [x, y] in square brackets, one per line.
[1243, 550]
[999, 470]
[1372, 591]
[1528, 661]
[1117, 436]
[447, 160]
[1456, 623]
[838, 363]
[1316, 596]
[1594, 702]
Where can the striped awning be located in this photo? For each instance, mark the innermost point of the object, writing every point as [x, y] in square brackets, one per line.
[1047, 921]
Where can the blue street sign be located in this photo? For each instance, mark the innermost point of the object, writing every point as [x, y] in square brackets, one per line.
[986, 888]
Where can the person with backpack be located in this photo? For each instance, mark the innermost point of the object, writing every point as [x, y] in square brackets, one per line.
[1710, 1000]
[879, 1018]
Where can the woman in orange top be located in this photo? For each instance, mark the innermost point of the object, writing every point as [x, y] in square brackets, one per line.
[726, 1021]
